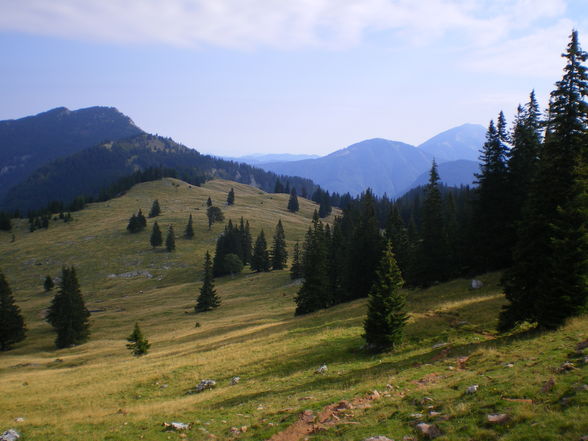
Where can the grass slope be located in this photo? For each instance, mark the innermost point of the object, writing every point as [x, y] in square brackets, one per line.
[98, 391]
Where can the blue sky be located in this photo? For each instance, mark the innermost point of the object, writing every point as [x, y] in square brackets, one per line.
[233, 77]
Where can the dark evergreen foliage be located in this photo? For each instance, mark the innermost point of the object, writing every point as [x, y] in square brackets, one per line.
[232, 264]
[5, 221]
[48, 284]
[293, 205]
[155, 209]
[386, 316]
[260, 259]
[68, 314]
[231, 197]
[296, 268]
[170, 240]
[156, 238]
[246, 242]
[209, 202]
[137, 223]
[138, 343]
[279, 255]
[189, 232]
[214, 214]
[12, 326]
[208, 299]
[229, 242]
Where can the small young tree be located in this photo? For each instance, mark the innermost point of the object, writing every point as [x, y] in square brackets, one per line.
[68, 313]
[386, 315]
[232, 264]
[155, 209]
[209, 202]
[170, 240]
[141, 221]
[156, 238]
[296, 268]
[293, 205]
[189, 232]
[12, 327]
[48, 284]
[279, 255]
[231, 197]
[214, 214]
[260, 260]
[138, 344]
[208, 298]
[132, 226]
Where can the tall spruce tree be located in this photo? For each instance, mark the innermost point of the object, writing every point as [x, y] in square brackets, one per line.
[231, 197]
[260, 259]
[208, 299]
[293, 205]
[296, 267]
[189, 231]
[12, 327]
[138, 343]
[155, 209]
[386, 315]
[156, 238]
[48, 284]
[67, 312]
[279, 255]
[246, 241]
[141, 221]
[547, 282]
[432, 264]
[170, 240]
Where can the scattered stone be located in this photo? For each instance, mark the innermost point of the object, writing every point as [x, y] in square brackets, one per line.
[431, 431]
[260, 407]
[164, 386]
[375, 395]
[378, 438]
[472, 389]
[427, 400]
[582, 388]
[417, 416]
[131, 274]
[476, 284]
[461, 362]
[322, 369]
[408, 438]
[10, 435]
[498, 418]
[174, 425]
[565, 401]
[584, 438]
[434, 413]
[19, 420]
[582, 345]
[566, 366]
[205, 385]
[509, 365]
[548, 385]
[235, 380]
[439, 345]
[586, 359]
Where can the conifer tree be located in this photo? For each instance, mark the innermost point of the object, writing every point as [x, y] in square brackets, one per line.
[155, 209]
[397, 233]
[132, 226]
[432, 255]
[138, 344]
[214, 214]
[547, 283]
[231, 197]
[156, 238]
[260, 260]
[141, 221]
[68, 313]
[170, 240]
[293, 205]
[386, 315]
[246, 241]
[278, 187]
[279, 255]
[12, 327]
[296, 268]
[209, 202]
[208, 298]
[48, 284]
[189, 232]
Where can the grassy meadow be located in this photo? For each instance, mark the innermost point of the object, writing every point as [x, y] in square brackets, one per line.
[98, 391]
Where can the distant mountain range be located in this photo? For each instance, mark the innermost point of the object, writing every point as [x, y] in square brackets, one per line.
[265, 158]
[391, 167]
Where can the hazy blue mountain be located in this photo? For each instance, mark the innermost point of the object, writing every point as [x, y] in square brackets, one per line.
[463, 142]
[264, 158]
[27, 143]
[385, 166]
[452, 173]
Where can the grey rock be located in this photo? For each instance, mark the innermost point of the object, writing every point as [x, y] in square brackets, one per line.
[472, 389]
[205, 384]
[498, 418]
[378, 438]
[322, 369]
[174, 425]
[476, 284]
[10, 435]
[235, 380]
[431, 431]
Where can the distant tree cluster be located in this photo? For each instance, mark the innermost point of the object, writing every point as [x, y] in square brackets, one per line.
[235, 241]
[12, 326]
[137, 222]
[5, 221]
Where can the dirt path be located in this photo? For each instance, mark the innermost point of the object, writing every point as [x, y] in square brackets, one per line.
[330, 416]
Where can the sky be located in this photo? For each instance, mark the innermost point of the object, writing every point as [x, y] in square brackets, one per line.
[235, 77]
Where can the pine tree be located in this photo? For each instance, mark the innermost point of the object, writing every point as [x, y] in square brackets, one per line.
[386, 315]
[155, 209]
[156, 239]
[278, 187]
[279, 255]
[48, 284]
[246, 242]
[293, 205]
[432, 254]
[260, 260]
[547, 283]
[209, 202]
[231, 197]
[189, 232]
[138, 344]
[214, 214]
[141, 221]
[12, 327]
[132, 226]
[208, 298]
[296, 268]
[68, 313]
[170, 240]
[397, 233]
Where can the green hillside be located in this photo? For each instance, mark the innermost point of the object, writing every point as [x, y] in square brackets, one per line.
[98, 391]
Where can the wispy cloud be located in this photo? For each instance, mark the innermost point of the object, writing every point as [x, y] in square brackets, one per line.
[276, 23]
